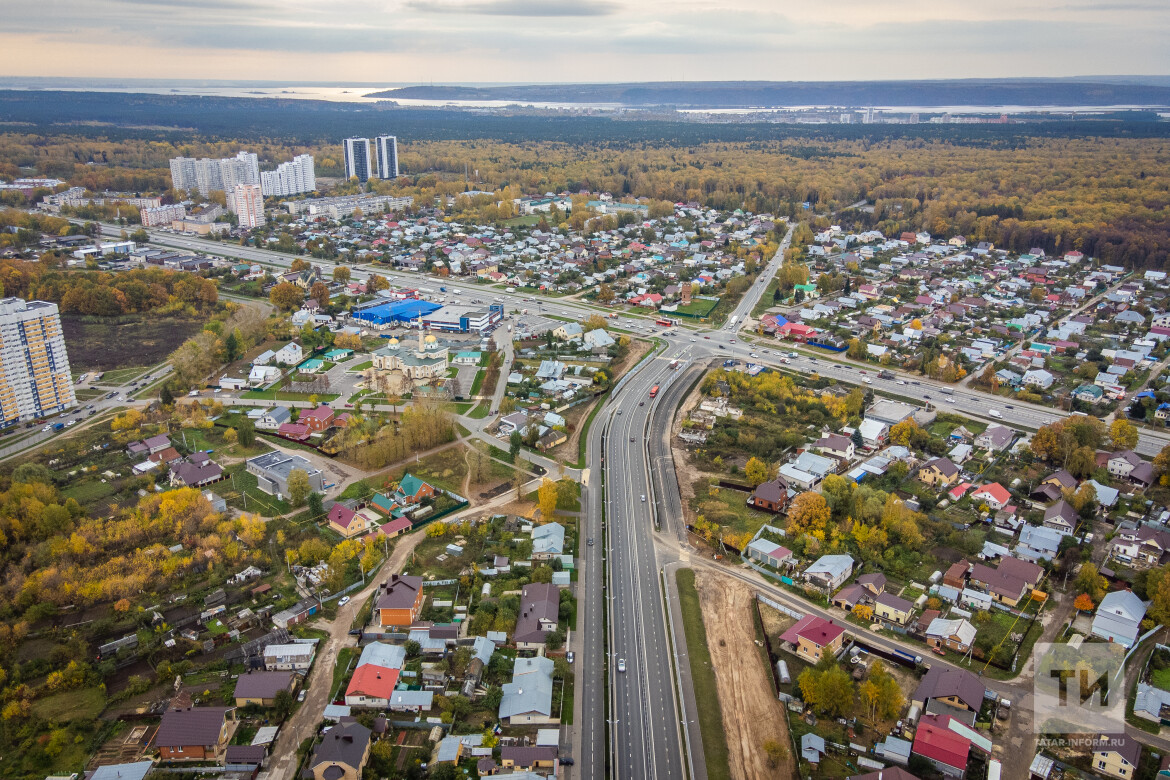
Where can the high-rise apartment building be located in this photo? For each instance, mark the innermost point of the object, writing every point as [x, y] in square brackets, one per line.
[357, 158]
[248, 204]
[386, 147]
[34, 368]
[207, 175]
[290, 178]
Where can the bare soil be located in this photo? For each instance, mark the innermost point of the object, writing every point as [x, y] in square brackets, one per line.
[106, 343]
[752, 714]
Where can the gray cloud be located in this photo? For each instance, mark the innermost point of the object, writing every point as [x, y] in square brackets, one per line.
[535, 8]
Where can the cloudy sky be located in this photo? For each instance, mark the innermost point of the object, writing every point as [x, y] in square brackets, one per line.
[581, 40]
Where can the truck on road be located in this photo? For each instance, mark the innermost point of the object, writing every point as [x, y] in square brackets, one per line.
[733, 320]
[654, 391]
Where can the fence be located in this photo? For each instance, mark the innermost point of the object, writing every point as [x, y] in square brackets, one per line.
[780, 607]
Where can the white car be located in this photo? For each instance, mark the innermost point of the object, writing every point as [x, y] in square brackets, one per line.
[621, 664]
[950, 400]
[341, 602]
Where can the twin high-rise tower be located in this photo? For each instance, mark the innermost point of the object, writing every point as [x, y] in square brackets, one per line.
[382, 164]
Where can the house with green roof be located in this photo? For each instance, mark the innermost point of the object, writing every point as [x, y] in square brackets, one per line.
[311, 366]
[338, 354]
[411, 490]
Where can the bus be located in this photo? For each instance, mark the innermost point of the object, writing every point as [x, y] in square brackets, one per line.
[654, 391]
[664, 322]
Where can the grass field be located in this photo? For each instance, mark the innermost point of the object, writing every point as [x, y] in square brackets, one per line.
[698, 308]
[121, 376]
[88, 393]
[526, 220]
[703, 678]
[361, 366]
[728, 507]
[83, 704]
[480, 412]
[89, 491]
[242, 492]
[341, 667]
[277, 395]
[1161, 678]
[475, 386]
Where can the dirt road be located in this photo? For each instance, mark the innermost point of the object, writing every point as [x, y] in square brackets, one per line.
[752, 715]
[307, 718]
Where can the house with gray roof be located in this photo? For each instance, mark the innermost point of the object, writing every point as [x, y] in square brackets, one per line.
[548, 541]
[528, 698]
[342, 753]
[272, 470]
[829, 571]
[1038, 542]
[1119, 617]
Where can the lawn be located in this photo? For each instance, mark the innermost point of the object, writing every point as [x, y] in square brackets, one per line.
[728, 507]
[340, 668]
[583, 439]
[121, 376]
[444, 469]
[1161, 678]
[88, 393]
[475, 386]
[480, 412]
[527, 221]
[90, 491]
[246, 494]
[698, 308]
[84, 704]
[703, 678]
[360, 367]
[277, 395]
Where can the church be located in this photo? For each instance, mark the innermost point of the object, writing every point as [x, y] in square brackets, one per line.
[426, 362]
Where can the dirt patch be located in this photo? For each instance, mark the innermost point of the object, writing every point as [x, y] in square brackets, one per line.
[106, 343]
[752, 714]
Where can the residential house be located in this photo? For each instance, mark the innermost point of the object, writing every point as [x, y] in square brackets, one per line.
[193, 734]
[297, 657]
[813, 637]
[548, 541]
[347, 522]
[527, 758]
[400, 601]
[1061, 517]
[829, 571]
[957, 635]
[528, 698]
[412, 490]
[195, 470]
[873, 432]
[943, 748]
[874, 584]
[1119, 617]
[290, 354]
[275, 417]
[836, 445]
[956, 687]
[956, 575]
[993, 494]
[261, 687]
[1038, 377]
[1117, 755]
[939, 473]
[341, 754]
[539, 612]
[272, 470]
[892, 608]
[1038, 543]
[996, 438]
[1002, 586]
[319, 419]
[372, 685]
[1143, 546]
[771, 496]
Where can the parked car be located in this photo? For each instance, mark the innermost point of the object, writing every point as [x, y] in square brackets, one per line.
[341, 602]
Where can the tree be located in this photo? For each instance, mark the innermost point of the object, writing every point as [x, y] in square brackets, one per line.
[231, 347]
[547, 498]
[555, 640]
[776, 753]
[857, 439]
[757, 472]
[376, 283]
[1081, 462]
[298, 487]
[808, 513]
[605, 294]
[246, 432]
[1084, 603]
[1090, 582]
[230, 436]
[412, 648]
[1161, 465]
[320, 293]
[282, 704]
[1158, 591]
[514, 443]
[286, 296]
[906, 432]
[316, 504]
[341, 274]
[166, 397]
[827, 688]
[1123, 434]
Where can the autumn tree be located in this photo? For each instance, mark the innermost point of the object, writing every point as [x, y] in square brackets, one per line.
[1084, 603]
[547, 498]
[286, 296]
[827, 688]
[757, 471]
[1123, 434]
[347, 341]
[298, 487]
[1089, 581]
[880, 694]
[341, 274]
[1161, 465]
[808, 513]
[320, 293]
[1158, 591]
[907, 432]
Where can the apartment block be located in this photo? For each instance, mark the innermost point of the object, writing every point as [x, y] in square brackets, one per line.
[290, 178]
[248, 204]
[34, 367]
[386, 147]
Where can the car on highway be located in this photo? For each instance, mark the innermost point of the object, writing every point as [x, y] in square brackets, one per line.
[753, 354]
[569, 656]
[901, 381]
[1008, 406]
[733, 341]
[341, 602]
[721, 346]
[71, 422]
[641, 403]
[619, 411]
[621, 664]
[590, 542]
[707, 337]
[643, 498]
[631, 440]
[949, 400]
[867, 380]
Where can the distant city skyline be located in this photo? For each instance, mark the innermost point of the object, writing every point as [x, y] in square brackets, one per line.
[527, 41]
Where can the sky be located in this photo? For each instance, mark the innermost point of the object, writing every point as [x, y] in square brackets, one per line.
[424, 41]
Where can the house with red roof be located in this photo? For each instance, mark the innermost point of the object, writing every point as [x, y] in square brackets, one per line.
[813, 637]
[371, 686]
[318, 419]
[960, 490]
[347, 522]
[395, 527]
[795, 331]
[943, 748]
[294, 431]
[994, 495]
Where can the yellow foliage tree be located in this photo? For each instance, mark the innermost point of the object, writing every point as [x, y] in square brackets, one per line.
[546, 496]
[808, 513]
